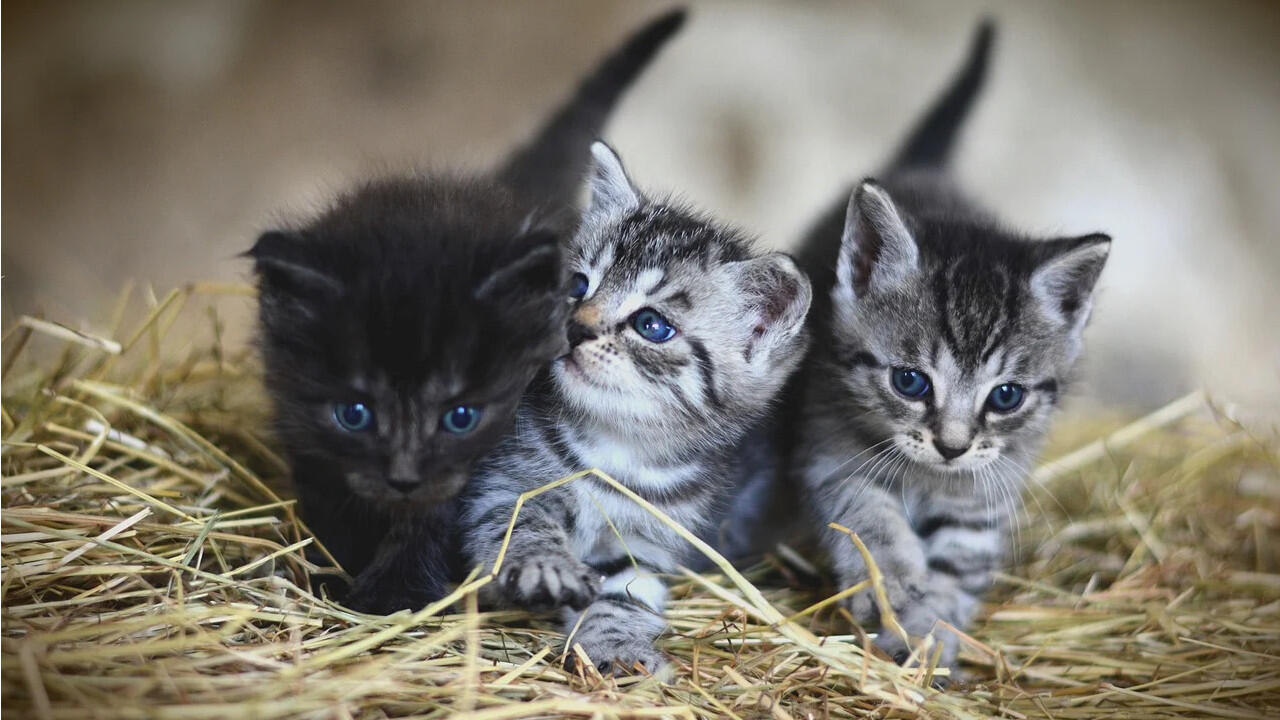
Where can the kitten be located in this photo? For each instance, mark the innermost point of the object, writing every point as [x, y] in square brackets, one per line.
[400, 328]
[679, 340]
[943, 341]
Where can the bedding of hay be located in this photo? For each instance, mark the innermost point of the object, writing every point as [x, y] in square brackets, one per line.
[150, 569]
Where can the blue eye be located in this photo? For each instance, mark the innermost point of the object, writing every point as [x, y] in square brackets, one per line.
[652, 326]
[1006, 398]
[460, 420]
[910, 383]
[353, 417]
[578, 285]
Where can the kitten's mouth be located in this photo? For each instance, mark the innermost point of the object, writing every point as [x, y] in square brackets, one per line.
[440, 489]
[571, 366]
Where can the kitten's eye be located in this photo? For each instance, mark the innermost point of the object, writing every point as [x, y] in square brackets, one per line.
[652, 326]
[353, 417]
[460, 420]
[1006, 398]
[578, 286]
[910, 383]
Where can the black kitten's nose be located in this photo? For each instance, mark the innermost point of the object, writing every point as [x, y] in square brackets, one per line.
[579, 333]
[404, 485]
[947, 452]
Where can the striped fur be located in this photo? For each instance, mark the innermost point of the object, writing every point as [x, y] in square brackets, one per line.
[661, 418]
[915, 277]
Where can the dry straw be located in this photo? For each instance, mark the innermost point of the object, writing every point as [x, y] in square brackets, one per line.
[152, 570]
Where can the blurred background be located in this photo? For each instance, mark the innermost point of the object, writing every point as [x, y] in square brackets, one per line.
[153, 139]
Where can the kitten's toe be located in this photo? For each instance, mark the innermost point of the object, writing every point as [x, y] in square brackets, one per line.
[549, 582]
[621, 645]
[894, 647]
[619, 660]
[586, 588]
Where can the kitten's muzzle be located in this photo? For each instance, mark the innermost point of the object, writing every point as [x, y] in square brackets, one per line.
[440, 486]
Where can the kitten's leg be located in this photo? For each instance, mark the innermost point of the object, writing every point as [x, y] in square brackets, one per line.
[409, 570]
[963, 545]
[349, 530]
[618, 630]
[877, 518]
[927, 579]
[539, 571]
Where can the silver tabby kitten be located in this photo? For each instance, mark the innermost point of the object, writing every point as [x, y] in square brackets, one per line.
[941, 347]
[680, 339]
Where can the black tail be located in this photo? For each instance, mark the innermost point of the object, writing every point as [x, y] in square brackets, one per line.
[550, 167]
[930, 143]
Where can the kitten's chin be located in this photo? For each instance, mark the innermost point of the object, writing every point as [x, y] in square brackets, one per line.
[600, 402]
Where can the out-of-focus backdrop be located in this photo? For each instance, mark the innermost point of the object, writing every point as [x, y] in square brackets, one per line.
[153, 139]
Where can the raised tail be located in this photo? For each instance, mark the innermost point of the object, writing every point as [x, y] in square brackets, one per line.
[931, 141]
[549, 168]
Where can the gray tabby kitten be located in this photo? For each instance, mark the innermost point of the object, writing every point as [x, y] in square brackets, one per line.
[942, 342]
[680, 339]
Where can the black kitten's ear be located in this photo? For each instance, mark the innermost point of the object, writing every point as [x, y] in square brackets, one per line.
[534, 269]
[877, 251]
[611, 190]
[1063, 284]
[285, 263]
[778, 294]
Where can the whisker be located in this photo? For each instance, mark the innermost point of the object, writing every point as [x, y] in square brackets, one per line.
[845, 464]
[1032, 488]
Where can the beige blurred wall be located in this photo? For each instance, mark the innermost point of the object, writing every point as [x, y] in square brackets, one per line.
[153, 140]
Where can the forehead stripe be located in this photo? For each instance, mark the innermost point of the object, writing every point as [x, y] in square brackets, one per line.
[1004, 325]
[941, 286]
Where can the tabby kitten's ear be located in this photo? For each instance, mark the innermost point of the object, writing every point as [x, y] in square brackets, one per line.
[532, 272]
[877, 251]
[611, 190]
[286, 264]
[777, 295]
[1063, 284]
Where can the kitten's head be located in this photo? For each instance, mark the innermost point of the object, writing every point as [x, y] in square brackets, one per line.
[676, 327]
[952, 337]
[401, 327]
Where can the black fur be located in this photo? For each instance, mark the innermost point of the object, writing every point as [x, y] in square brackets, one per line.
[414, 295]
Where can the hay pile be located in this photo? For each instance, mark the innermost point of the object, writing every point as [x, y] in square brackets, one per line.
[150, 570]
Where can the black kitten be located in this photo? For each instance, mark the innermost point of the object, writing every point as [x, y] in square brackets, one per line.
[400, 328]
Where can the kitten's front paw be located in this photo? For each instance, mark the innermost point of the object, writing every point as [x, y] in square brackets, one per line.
[893, 646]
[554, 579]
[615, 650]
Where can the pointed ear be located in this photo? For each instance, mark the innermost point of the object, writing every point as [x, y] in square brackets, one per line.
[533, 269]
[1063, 284]
[611, 190]
[777, 294]
[877, 251]
[286, 264]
